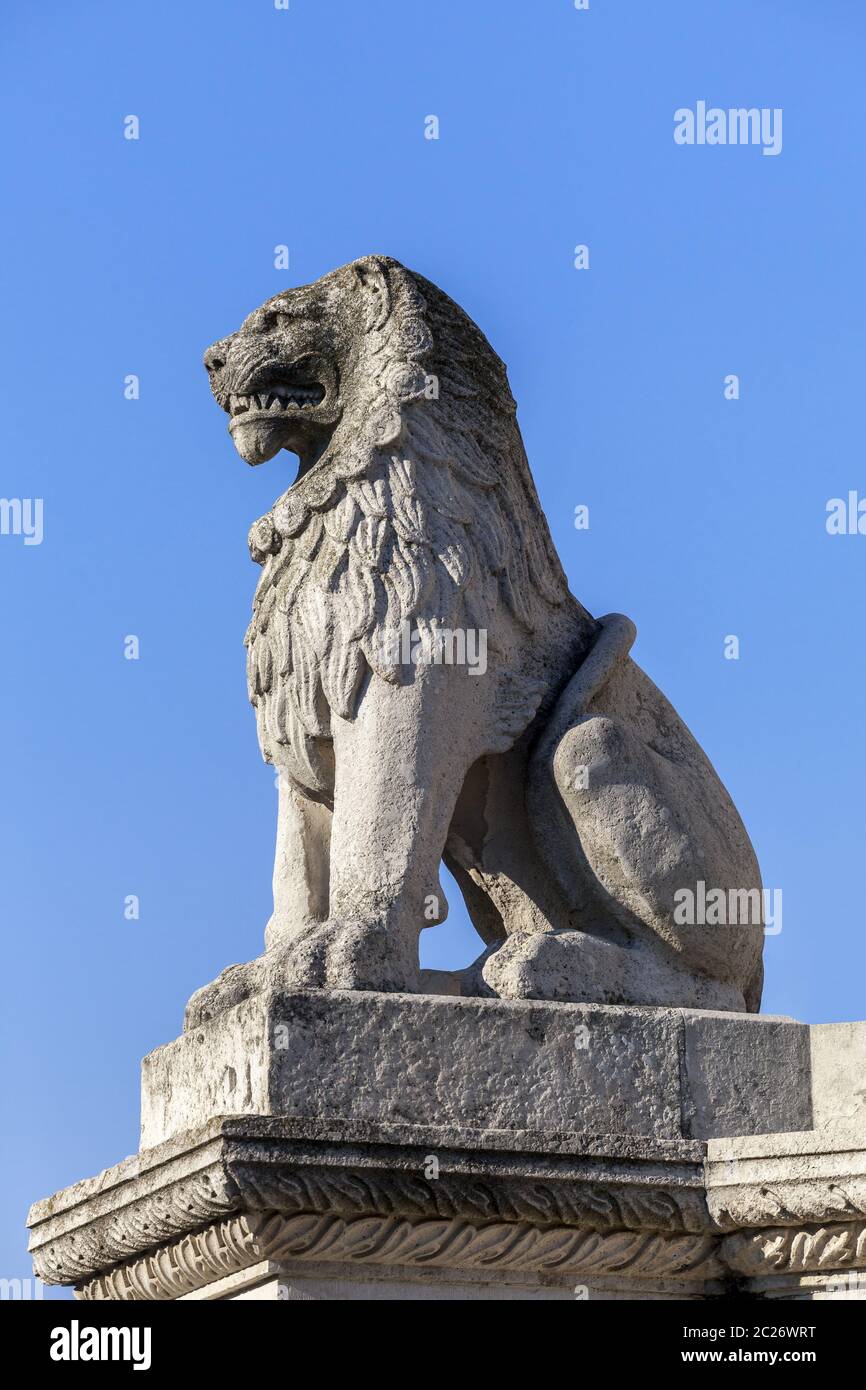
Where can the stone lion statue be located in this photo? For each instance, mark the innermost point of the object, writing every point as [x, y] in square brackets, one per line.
[561, 789]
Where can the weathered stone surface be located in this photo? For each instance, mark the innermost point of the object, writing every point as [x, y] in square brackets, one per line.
[428, 687]
[535, 1252]
[483, 1064]
[438, 1184]
[791, 1179]
[795, 1205]
[839, 1074]
[293, 1282]
[150, 1208]
[328, 1207]
[733, 1070]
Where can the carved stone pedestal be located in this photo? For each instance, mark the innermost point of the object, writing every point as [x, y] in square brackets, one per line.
[361, 1146]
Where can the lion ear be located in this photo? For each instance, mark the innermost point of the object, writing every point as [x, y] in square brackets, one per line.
[372, 279]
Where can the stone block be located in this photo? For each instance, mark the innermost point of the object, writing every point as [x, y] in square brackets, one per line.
[483, 1064]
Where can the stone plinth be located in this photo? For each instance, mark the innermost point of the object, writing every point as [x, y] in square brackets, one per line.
[347, 1145]
[483, 1064]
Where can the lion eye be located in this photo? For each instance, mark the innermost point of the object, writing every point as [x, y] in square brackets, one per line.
[308, 314]
[284, 316]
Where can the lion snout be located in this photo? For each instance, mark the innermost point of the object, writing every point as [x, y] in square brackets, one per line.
[216, 355]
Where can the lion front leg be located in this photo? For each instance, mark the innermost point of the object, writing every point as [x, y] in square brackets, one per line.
[301, 864]
[400, 765]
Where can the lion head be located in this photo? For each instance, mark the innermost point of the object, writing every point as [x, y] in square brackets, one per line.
[330, 365]
[287, 375]
[413, 501]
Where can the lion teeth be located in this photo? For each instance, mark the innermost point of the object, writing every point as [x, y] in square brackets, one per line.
[276, 399]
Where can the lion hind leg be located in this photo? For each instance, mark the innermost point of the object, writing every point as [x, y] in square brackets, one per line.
[630, 829]
[574, 967]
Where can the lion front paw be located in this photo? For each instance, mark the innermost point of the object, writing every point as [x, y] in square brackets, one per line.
[231, 987]
[345, 955]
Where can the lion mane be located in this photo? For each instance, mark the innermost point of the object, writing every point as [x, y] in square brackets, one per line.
[422, 511]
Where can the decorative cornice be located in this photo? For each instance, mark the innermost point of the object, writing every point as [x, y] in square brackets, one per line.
[802, 1179]
[235, 1244]
[249, 1169]
[142, 1224]
[807, 1203]
[788, 1250]
[604, 1201]
[218, 1200]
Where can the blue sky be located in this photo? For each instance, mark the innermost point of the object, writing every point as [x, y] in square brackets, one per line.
[707, 516]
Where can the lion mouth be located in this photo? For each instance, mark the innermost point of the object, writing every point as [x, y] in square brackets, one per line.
[275, 400]
[289, 410]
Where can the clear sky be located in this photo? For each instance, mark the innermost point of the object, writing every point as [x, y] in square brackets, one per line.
[305, 127]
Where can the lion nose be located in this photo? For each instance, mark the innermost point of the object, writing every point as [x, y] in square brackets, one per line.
[215, 357]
